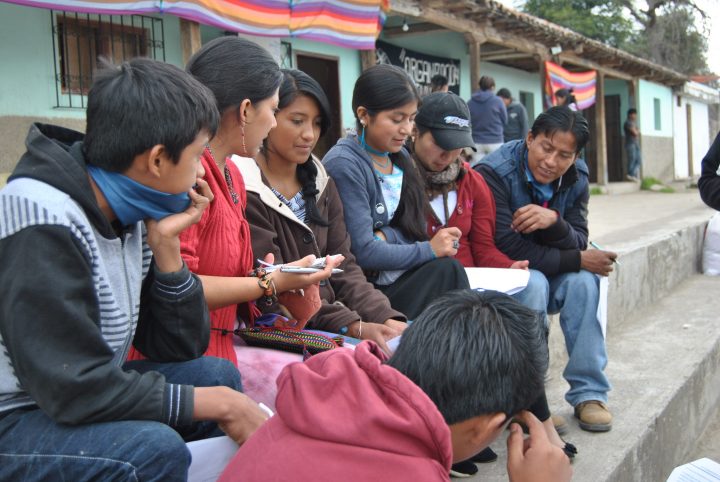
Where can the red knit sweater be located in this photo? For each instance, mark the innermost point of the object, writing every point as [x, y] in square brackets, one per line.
[219, 245]
[474, 215]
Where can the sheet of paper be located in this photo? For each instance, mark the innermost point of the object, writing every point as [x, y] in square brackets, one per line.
[393, 343]
[509, 281]
[602, 305]
[701, 470]
[209, 458]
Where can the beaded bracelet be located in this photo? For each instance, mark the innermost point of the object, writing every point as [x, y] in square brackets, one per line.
[267, 284]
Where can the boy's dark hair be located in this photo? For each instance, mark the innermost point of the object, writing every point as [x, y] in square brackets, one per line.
[235, 69]
[486, 82]
[296, 83]
[563, 119]
[631, 111]
[437, 81]
[386, 87]
[142, 103]
[504, 93]
[475, 353]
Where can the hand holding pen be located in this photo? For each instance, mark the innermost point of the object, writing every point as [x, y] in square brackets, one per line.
[597, 260]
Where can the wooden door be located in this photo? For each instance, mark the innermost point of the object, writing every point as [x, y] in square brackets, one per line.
[325, 71]
[613, 136]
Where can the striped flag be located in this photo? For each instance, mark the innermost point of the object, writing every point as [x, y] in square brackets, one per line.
[582, 83]
[353, 24]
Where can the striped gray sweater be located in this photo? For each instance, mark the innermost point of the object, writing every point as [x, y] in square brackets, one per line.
[74, 296]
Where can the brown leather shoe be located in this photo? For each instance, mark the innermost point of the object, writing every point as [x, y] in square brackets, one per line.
[594, 416]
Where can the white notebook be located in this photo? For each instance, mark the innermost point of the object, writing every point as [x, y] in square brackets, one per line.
[509, 281]
[209, 458]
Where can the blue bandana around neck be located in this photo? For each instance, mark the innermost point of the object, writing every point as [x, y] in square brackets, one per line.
[132, 202]
[542, 193]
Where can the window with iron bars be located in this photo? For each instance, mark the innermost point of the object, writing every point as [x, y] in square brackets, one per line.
[81, 40]
[286, 56]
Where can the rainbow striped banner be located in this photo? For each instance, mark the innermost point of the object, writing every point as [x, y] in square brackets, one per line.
[353, 24]
[582, 83]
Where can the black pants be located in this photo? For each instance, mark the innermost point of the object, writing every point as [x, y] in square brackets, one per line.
[417, 288]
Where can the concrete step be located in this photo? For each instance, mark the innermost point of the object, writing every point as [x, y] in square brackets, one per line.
[665, 371]
[613, 188]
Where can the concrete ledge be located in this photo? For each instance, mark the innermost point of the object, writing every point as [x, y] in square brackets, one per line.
[647, 273]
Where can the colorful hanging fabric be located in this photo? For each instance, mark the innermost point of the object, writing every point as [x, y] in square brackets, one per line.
[346, 23]
[582, 83]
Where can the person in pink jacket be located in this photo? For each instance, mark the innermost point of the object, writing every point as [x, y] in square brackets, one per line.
[444, 395]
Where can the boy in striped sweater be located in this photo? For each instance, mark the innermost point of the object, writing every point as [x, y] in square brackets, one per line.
[90, 264]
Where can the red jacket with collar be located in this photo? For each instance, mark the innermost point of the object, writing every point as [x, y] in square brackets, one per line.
[344, 415]
[474, 215]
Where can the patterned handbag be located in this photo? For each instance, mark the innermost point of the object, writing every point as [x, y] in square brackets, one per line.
[268, 333]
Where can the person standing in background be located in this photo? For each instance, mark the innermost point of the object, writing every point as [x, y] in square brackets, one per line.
[488, 117]
[632, 145]
[439, 83]
[516, 126]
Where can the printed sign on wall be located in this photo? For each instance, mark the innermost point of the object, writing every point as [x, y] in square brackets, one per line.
[419, 66]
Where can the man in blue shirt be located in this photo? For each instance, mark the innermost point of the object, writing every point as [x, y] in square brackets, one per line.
[541, 195]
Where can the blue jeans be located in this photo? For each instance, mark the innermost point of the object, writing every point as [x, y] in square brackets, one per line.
[575, 296]
[34, 447]
[536, 294]
[633, 157]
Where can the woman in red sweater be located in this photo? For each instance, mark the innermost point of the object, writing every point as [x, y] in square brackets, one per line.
[244, 79]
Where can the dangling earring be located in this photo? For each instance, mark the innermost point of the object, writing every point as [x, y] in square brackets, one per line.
[362, 134]
[242, 133]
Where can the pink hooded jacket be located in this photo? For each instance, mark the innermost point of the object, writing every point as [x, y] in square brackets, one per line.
[344, 415]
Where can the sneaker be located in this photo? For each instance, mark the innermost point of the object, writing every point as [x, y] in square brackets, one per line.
[561, 425]
[632, 178]
[487, 455]
[594, 416]
[463, 469]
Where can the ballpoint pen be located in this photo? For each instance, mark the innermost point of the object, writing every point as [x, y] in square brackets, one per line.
[597, 246]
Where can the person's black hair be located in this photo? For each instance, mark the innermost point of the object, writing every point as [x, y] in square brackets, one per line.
[504, 93]
[475, 353]
[386, 87]
[235, 69]
[294, 84]
[486, 82]
[142, 103]
[437, 81]
[383, 87]
[631, 110]
[562, 119]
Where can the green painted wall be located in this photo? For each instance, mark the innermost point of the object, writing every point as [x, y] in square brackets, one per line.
[348, 64]
[27, 84]
[515, 80]
[648, 92]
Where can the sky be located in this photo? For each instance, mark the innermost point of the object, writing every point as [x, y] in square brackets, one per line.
[711, 7]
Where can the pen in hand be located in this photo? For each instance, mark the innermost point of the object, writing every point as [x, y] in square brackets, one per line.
[597, 246]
